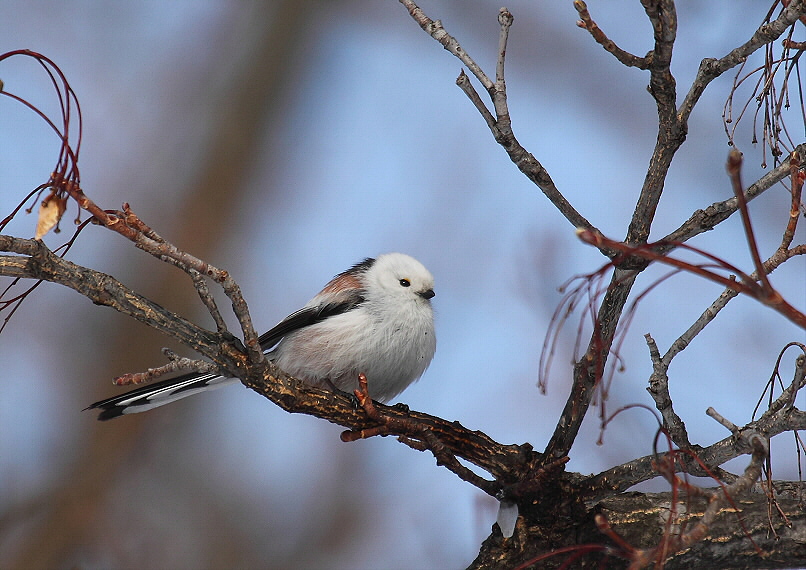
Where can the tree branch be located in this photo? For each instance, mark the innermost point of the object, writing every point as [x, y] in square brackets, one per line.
[507, 464]
[780, 417]
[500, 125]
[624, 57]
[711, 68]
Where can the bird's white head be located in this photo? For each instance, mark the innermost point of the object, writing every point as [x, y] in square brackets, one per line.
[400, 276]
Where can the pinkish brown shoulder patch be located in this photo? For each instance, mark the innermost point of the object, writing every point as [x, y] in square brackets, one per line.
[342, 282]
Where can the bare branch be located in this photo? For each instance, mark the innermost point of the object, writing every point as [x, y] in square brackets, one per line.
[463, 81]
[36, 261]
[797, 178]
[147, 240]
[733, 428]
[506, 463]
[672, 543]
[434, 29]
[601, 38]
[671, 132]
[589, 368]
[413, 435]
[659, 390]
[734, 171]
[501, 124]
[710, 68]
[506, 19]
[747, 285]
[176, 364]
[705, 220]
[776, 420]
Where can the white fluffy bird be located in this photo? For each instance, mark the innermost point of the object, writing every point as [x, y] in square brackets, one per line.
[374, 318]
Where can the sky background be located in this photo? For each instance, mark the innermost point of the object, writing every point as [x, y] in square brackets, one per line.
[285, 142]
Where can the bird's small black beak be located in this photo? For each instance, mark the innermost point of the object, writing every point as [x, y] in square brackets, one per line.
[427, 294]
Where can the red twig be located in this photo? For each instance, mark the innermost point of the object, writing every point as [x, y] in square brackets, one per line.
[734, 171]
[746, 285]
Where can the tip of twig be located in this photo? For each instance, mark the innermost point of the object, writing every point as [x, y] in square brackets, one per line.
[505, 17]
[585, 235]
[733, 428]
[734, 159]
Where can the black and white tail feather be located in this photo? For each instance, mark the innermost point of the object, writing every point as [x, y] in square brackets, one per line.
[158, 394]
[377, 301]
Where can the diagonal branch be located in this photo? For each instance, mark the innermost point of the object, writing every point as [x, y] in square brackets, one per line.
[36, 261]
[779, 417]
[435, 29]
[704, 220]
[625, 57]
[589, 369]
[734, 171]
[659, 390]
[500, 123]
[746, 285]
[507, 464]
[711, 68]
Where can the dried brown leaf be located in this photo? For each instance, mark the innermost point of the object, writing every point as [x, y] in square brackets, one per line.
[50, 212]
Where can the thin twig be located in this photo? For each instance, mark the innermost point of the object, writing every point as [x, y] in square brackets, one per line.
[734, 172]
[711, 68]
[500, 125]
[175, 365]
[601, 38]
[659, 390]
[463, 81]
[434, 29]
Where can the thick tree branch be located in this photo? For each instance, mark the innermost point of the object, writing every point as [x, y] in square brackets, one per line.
[507, 464]
[671, 132]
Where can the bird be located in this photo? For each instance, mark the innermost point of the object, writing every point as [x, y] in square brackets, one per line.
[374, 318]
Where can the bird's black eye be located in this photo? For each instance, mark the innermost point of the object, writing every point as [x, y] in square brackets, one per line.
[405, 283]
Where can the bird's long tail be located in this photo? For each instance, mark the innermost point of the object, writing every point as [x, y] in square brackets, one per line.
[158, 394]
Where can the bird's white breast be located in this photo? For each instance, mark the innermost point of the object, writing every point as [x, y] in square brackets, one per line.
[392, 347]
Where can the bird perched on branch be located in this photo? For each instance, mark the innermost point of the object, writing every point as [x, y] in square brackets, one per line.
[375, 318]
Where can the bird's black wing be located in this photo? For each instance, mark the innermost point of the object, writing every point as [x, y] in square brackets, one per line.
[306, 317]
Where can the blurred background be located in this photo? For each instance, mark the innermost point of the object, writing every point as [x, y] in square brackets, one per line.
[284, 141]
